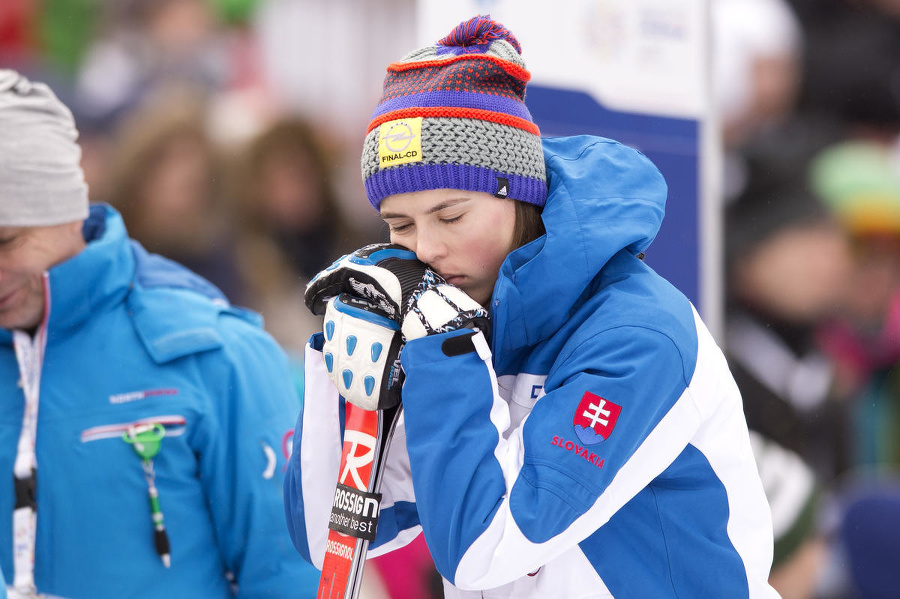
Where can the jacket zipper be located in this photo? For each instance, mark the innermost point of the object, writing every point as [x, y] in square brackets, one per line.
[174, 425]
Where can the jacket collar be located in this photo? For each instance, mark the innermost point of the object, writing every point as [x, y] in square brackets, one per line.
[604, 198]
[97, 278]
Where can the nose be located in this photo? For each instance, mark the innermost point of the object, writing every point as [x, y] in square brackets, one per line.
[429, 247]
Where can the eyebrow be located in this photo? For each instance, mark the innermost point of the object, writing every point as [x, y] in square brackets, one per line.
[446, 204]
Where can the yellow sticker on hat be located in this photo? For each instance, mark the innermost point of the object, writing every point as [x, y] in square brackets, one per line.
[400, 142]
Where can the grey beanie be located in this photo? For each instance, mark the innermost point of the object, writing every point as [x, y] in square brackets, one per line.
[41, 181]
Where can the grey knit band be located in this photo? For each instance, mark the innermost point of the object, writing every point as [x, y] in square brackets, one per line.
[471, 142]
[41, 181]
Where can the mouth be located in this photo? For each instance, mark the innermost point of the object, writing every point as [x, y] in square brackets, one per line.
[7, 298]
[454, 279]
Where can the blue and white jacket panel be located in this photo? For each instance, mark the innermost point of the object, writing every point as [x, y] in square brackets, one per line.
[134, 338]
[598, 448]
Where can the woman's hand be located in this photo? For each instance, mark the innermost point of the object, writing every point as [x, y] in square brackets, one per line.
[362, 353]
[374, 300]
[383, 274]
[438, 307]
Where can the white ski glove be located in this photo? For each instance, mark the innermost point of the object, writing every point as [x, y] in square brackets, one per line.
[381, 273]
[362, 353]
[362, 295]
[369, 298]
[438, 307]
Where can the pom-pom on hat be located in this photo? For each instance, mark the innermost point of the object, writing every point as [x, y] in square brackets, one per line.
[453, 116]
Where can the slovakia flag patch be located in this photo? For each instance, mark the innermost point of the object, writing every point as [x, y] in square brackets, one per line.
[595, 418]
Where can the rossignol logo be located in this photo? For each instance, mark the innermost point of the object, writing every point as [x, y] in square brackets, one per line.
[355, 512]
[355, 502]
[400, 142]
[339, 549]
[357, 439]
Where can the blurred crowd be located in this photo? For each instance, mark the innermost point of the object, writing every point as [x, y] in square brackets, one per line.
[227, 133]
[809, 98]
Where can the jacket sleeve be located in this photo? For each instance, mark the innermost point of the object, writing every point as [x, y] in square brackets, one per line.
[252, 407]
[497, 503]
[312, 471]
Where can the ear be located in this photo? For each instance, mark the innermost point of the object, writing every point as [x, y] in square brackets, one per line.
[73, 237]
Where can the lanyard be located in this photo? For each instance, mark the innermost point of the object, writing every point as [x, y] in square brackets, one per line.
[145, 439]
[30, 356]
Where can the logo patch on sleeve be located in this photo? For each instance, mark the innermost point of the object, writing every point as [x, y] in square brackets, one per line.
[400, 142]
[595, 419]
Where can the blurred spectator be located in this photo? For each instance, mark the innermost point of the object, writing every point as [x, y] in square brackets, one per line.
[868, 536]
[851, 65]
[65, 30]
[288, 195]
[98, 148]
[757, 53]
[861, 182]
[291, 225]
[148, 45]
[17, 42]
[787, 262]
[167, 183]
[419, 580]
[306, 72]
[304, 66]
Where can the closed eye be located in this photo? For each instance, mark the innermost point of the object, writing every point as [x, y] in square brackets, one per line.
[8, 241]
[451, 220]
[399, 228]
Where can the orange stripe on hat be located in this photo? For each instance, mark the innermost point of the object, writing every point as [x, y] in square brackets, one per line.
[456, 112]
[511, 68]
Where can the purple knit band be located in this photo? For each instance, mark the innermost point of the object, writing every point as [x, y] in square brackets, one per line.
[456, 99]
[422, 177]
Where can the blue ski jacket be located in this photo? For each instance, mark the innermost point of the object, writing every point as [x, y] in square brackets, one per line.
[595, 448]
[135, 338]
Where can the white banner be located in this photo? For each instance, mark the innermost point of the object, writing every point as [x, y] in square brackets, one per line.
[644, 56]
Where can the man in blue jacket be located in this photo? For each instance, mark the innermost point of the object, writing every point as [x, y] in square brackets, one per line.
[144, 421]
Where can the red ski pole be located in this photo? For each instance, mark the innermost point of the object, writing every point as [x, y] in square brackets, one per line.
[354, 512]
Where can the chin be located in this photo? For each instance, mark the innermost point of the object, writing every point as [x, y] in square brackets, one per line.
[480, 298]
[20, 321]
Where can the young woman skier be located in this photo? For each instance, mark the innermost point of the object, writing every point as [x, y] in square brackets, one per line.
[569, 427]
